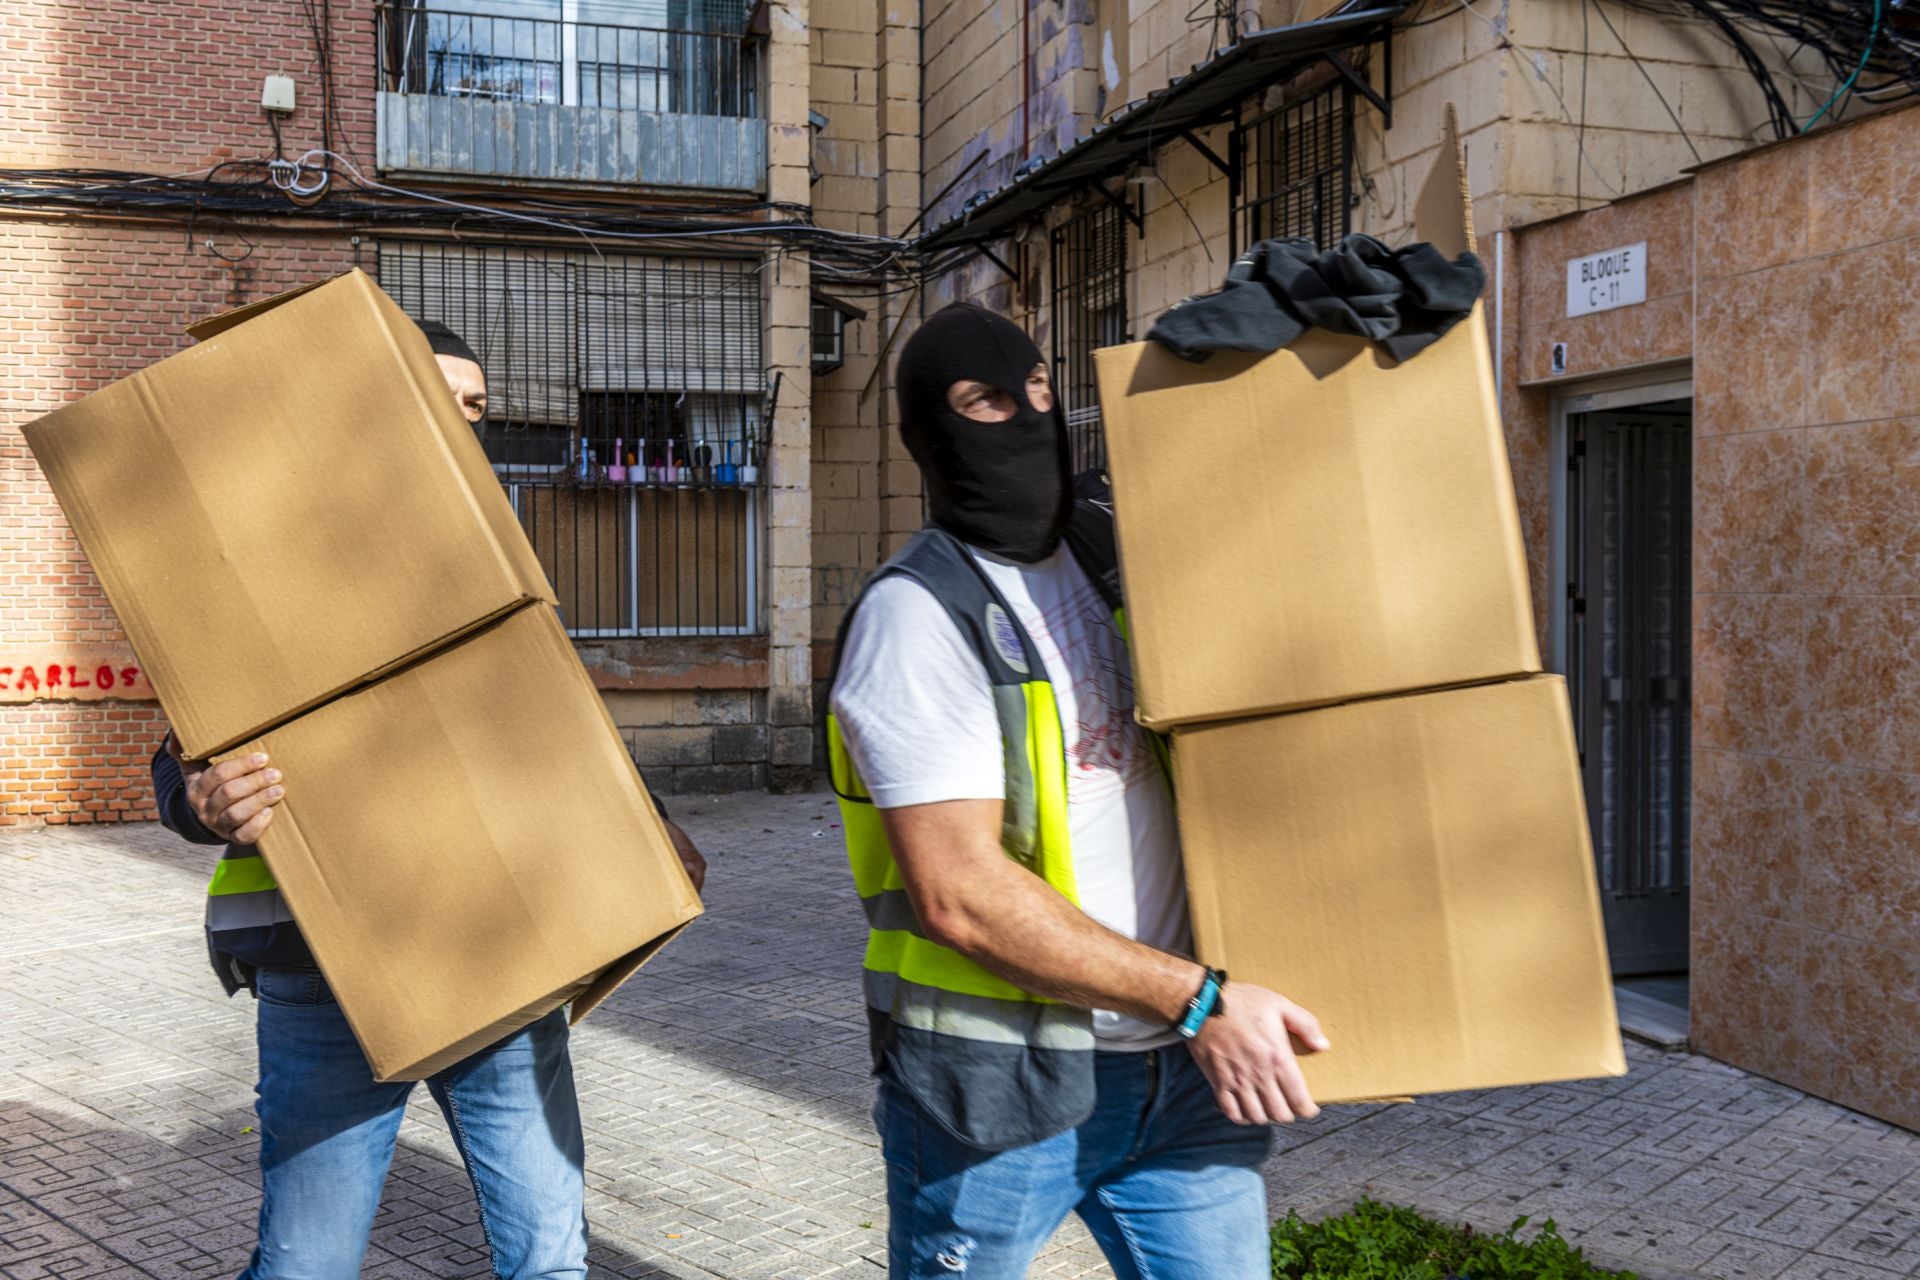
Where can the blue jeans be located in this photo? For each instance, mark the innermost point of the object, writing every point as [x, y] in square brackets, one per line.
[327, 1133]
[1170, 1188]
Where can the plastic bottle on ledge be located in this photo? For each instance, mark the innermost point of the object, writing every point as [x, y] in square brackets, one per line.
[583, 465]
[749, 470]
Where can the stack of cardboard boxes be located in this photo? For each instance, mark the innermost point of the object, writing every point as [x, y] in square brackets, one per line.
[1379, 798]
[313, 558]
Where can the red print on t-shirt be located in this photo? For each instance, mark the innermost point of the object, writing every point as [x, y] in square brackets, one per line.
[1105, 749]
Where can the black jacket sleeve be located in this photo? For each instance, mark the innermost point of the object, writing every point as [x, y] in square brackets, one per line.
[170, 795]
[1090, 534]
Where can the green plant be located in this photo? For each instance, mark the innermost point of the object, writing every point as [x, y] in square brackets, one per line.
[1375, 1241]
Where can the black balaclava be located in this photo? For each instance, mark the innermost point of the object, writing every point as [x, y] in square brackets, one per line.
[1003, 487]
[445, 342]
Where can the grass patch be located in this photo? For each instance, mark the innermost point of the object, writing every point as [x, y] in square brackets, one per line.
[1375, 1241]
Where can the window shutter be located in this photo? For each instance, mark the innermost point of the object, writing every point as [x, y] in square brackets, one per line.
[515, 310]
[670, 324]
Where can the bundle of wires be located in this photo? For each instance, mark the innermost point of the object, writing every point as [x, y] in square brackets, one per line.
[1869, 48]
[235, 192]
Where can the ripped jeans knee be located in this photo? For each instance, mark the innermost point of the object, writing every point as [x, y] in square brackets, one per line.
[954, 1257]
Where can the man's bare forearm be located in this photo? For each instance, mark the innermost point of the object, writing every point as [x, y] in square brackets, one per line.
[971, 898]
[1036, 939]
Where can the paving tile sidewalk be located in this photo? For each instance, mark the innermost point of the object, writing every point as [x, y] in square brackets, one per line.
[726, 1101]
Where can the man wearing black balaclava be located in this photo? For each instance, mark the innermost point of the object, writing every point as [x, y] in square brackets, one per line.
[1044, 1043]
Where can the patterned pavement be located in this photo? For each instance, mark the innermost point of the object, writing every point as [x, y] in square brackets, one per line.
[726, 1105]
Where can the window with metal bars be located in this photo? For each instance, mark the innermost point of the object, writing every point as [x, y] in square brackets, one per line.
[1295, 166]
[1089, 261]
[624, 418]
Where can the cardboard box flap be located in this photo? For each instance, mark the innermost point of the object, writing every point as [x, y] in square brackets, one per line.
[286, 510]
[467, 843]
[609, 979]
[220, 322]
[1443, 210]
[1416, 871]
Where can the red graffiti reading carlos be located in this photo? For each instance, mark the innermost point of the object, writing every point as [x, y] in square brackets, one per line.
[56, 675]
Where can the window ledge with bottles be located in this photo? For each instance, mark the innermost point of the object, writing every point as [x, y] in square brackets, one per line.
[626, 421]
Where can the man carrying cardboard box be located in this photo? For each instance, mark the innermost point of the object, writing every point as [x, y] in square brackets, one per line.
[327, 1127]
[1043, 1042]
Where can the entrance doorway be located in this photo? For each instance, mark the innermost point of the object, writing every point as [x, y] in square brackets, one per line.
[1625, 637]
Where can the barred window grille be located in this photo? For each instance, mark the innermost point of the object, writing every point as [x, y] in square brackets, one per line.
[624, 418]
[1296, 170]
[1089, 260]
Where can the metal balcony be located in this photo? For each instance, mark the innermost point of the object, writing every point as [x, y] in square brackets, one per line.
[547, 100]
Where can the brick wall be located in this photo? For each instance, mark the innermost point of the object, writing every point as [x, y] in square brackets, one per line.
[172, 87]
[80, 307]
[166, 86]
[847, 417]
[154, 86]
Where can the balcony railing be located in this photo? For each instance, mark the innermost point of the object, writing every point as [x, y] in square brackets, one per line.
[548, 99]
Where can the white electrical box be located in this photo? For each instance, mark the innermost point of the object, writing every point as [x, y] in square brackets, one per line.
[277, 94]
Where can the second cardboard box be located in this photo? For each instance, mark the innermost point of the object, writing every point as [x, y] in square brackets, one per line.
[467, 845]
[1417, 872]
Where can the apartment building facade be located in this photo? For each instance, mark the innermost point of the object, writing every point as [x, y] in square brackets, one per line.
[696, 421]
[649, 376]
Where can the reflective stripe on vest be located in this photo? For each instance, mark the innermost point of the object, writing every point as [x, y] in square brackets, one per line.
[995, 1064]
[243, 894]
[952, 1013]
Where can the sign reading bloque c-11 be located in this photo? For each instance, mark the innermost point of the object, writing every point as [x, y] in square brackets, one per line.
[1608, 279]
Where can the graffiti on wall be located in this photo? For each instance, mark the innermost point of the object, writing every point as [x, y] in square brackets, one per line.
[71, 673]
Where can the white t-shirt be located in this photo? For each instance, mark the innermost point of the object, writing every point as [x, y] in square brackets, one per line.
[914, 705]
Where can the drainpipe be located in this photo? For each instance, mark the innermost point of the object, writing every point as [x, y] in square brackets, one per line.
[1026, 80]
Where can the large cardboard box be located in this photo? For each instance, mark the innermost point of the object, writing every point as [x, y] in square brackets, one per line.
[1318, 524]
[1416, 871]
[313, 558]
[467, 845]
[286, 510]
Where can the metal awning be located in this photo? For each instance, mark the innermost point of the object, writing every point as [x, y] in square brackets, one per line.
[1208, 95]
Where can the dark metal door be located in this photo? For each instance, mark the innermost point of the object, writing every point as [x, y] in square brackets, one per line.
[1629, 655]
